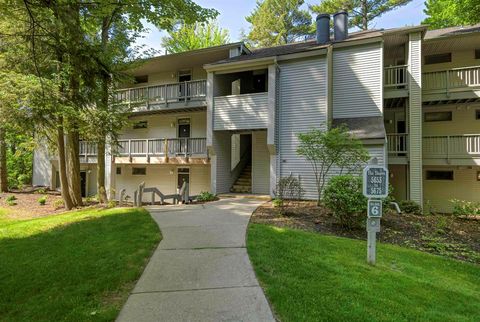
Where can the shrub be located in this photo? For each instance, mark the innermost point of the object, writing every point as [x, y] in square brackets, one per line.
[277, 202]
[289, 188]
[410, 206]
[111, 204]
[41, 191]
[205, 196]
[58, 204]
[42, 200]
[11, 198]
[343, 196]
[465, 208]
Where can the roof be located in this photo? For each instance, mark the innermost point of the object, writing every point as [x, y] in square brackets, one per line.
[363, 127]
[452, 31]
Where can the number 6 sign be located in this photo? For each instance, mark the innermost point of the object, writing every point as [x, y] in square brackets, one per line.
[374, 208]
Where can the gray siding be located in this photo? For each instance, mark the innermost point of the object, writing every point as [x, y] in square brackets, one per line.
[302, 107]
[239, 112]
[357, 81]
[221, 164]
[42, 167]
[260, 163]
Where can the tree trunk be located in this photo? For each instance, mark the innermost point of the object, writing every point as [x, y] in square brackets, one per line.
[364, 15]
[102, 193]
[62, 167]
[73, 148]
[3, 162]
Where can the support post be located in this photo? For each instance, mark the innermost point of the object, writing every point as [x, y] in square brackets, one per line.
[371, 247]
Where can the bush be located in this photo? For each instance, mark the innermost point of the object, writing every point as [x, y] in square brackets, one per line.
[11, 198]
[111, 204]
[205, 196]
[42, 200]
[465, 208]
[410, 207]
[277, 202]
[289, 188]
[343, 196]
[58, 204]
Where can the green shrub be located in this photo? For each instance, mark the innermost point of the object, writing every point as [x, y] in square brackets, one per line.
[111, 204]
[277, 202]
[11, 198]
[289, 188]
[410, 207]
[58, 204]
[42, 200]
[465, 208]
[205, 196]
[343, 196]
[41, 191]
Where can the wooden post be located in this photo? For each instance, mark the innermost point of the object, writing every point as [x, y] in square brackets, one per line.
[166, 150]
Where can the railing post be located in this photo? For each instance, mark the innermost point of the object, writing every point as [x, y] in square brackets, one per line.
[130, 150]
[447, 80]
[185, 93]
[166, 95]
[448, 147]
[166, 150]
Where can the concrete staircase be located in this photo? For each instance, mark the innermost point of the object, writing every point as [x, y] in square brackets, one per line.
[243, 184]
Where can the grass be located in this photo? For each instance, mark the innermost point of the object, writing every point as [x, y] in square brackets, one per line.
[311, 277]
[77, 266]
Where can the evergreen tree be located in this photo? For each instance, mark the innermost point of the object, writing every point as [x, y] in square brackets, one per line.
[447, 13]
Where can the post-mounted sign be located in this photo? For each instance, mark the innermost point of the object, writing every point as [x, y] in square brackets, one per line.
[374, 209]
[375, 181]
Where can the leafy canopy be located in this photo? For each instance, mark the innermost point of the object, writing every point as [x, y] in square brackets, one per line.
[195, 36]
[447, 13]
[361, 12]
[278, 22]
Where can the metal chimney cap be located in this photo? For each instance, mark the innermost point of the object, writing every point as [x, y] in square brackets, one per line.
[343, 12]
[323, 15]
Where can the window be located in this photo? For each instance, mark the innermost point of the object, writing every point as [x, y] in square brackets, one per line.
[438, 58]
[141, 79]
[477, 114]
[477, 53]
[119, 170]
[140, 125]
[440, 175]
[139, 171]
[437, 116]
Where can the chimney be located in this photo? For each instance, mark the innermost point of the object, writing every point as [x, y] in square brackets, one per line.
[323, 28]
[340, 26]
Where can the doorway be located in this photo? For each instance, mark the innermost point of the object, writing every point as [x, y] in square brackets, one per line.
[183, 134]
[183, 175]
[183, 77]
[83, 183]
[402, 140]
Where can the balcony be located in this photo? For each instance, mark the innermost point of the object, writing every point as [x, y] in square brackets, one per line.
[88, 152]
[456, 83]
[165, 96]
[451, 147]
[179, 150]
[241, 112]
[395, 81]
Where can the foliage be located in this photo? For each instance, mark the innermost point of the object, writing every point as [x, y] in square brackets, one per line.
[187, 37]
[11, 198]
[19, 159]
[343, 196]
[448, 13]
[465, 208]
[85, 248]
[278, 22]
[309, 276]
[334, 148]
[361, 12]
[410, 207]
[111, 204]
[57, 204]
[277, 202]
[205, 196]
[289, 188]
[42, 200]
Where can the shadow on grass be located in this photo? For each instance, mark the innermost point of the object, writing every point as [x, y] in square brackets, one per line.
[75, 271]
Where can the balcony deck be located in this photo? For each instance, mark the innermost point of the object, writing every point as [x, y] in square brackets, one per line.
[191, 94]
[452, 84]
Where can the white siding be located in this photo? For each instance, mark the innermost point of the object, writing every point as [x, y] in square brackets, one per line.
[238, 112]
[42, 167]
[302, 107]
[377, 151]
[221, 163]
[260, 163]
[357, 81]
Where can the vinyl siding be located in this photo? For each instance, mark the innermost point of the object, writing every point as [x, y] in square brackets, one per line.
[221, 162]
[239, 112]
[260, 163]
[357, 81]
[463, 120]
[415, 117]
[302, 107]
[42, 167]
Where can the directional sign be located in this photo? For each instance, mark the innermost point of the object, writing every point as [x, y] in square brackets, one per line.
[374, 208]
[375, 181]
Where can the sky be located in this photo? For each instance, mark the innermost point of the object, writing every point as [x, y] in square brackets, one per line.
[233, 13]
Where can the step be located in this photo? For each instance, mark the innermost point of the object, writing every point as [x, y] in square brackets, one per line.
[243, 181]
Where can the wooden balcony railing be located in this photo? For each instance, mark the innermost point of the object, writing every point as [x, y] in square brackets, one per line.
[455, 79]
[397, 144]
[184, 147]
[452, 146]
[162, 94]
[395, 77]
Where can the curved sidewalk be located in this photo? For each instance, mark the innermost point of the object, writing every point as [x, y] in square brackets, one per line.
[200, 271]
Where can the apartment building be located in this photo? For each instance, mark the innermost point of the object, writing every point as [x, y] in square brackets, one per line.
[227, 118]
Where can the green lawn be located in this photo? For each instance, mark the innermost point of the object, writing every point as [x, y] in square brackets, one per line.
[312, 277]
[77, 266]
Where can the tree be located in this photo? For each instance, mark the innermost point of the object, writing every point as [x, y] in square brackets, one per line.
[278, 22]
[361, 12]
[332, 149]
[447, 13]
[187, 37]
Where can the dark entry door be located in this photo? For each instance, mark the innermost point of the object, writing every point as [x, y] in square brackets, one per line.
[183, 176]
[184, 77]
[83, 183]
[402, 142]
[183, 135]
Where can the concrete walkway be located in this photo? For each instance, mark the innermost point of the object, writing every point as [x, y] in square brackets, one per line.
[200, 271]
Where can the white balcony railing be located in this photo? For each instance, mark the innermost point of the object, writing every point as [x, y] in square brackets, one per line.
[162, 94]
[452, 146]
[446, 81]
[87, 149]
[162, 147]
[397, 144]
[395, 77]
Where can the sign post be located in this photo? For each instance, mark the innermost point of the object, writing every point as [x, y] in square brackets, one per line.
[375, 187]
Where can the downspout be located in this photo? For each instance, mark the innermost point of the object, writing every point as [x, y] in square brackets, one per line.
[329, 86]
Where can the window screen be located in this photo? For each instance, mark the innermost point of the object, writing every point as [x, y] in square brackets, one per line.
[440, 175]
[438, 58]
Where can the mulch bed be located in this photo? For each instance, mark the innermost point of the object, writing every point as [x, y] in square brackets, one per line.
[444, 235]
